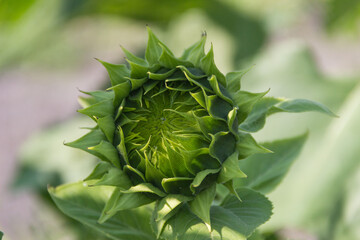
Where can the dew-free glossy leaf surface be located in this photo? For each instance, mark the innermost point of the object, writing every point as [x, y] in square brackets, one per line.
[85, 205]
[231, 220]
[265, 172]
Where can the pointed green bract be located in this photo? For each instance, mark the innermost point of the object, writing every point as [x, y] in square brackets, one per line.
[145, 187]
[99, 171]
[113, 177]
[117, 73]
[207, 64]
[247, 146]
[101, 109]
[200, 177]
[107, 126]
[169, 130]
[233, 80]
[134, 59]
[201, 204]
[120, 201]
[196, 52]
[164, 210]
[107, 150]
[230, 169]
[91, 139]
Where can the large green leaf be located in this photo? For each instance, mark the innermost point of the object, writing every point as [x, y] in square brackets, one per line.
[85, 205]
[265, 172]
[241, 218]
[231, 220]
[186, 225]
[1, 235]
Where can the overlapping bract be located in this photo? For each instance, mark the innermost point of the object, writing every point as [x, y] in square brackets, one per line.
[168, 131]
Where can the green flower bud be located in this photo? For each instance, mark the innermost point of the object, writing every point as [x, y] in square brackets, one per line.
[171, 131]
[168, 124]
[168, 130]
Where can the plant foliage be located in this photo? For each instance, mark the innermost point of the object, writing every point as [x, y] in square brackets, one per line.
[169, 132]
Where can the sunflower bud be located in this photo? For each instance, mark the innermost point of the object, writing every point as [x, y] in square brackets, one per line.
[167, 131]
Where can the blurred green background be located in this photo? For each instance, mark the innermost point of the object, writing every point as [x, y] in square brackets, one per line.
[300, 49]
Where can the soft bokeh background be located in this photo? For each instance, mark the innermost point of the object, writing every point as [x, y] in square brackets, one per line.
[300, 49]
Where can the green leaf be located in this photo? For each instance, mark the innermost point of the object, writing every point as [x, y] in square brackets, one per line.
[217, 107]
[100, 95]
[100, 109]
[177, 161]
[196, 52]
[231, 220]
[232, 121]
[99, 171]
[301, 105]
[235, 218]
[222, 145]
[207, 64]
[134, 58]
[247, 146]
[177, 185]
[123, 201]
[137, 83]
[199, 97]
[145, 187]
[86, 101]
[257, 117]
[106, 149]
[230, 186]
[90, 139]
[202, 82]
[121, 147]
[192, 73]
[200, 177]
[230, 169]
[135, 175]
[153, 49]
[117, 73]
[137, 71]
[245, 102]
[167, 59]
[201, 204]
[219, 90]
[265, 172]
[1, 235]
[85, 205]
[153, 174]
[114, 177]
[258, 236]
[269, 105]
[233, 80]
[162, 75]
[165, 209]
[210, 125]
[121, 91]
[107, 126]
[185, 225]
